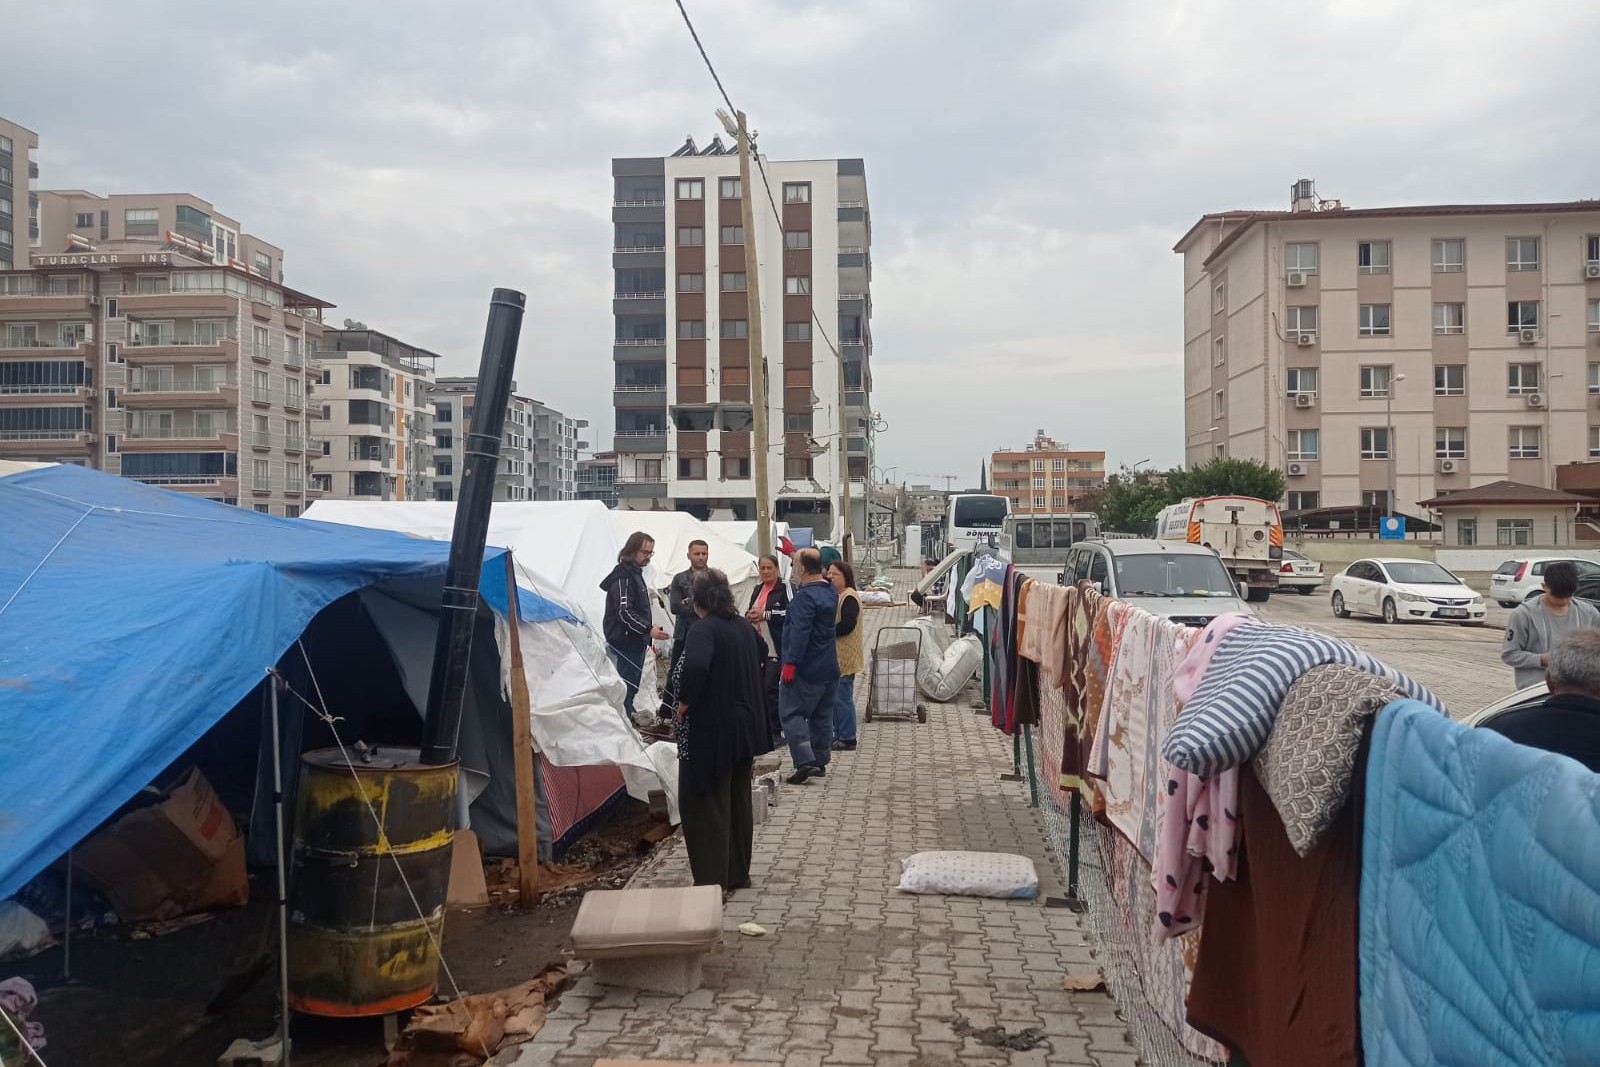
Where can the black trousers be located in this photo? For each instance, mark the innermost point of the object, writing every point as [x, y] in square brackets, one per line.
[718, 830]
[771, 672]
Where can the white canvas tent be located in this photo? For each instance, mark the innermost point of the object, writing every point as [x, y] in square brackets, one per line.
[673, 530]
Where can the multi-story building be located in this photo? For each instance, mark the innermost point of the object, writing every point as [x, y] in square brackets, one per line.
[597, 478]
[1045, 477]
[538, 451]
[150, 336]
[1425, 348]
[682, 350]
[17, 173]
[372, 417]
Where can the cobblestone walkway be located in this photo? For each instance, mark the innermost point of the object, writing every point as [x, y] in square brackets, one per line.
[852, 971]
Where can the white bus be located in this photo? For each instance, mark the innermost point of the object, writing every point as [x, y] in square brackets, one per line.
[1246, 532]
[973, 519]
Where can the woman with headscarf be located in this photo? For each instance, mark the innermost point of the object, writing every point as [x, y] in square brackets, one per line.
[848, 642]
[769, 605]
[721, 727]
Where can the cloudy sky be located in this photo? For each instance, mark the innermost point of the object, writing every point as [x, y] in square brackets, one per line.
[1029, 164]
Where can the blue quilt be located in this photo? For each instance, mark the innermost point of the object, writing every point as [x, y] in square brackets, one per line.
[1480, 899]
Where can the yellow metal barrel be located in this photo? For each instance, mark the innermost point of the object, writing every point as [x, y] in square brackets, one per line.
[357, 944]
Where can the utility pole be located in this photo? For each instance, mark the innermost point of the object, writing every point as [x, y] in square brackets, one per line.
[844, 538]
[758, 365]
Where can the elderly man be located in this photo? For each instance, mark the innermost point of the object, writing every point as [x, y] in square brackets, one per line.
[809, 678]
[1568, 720]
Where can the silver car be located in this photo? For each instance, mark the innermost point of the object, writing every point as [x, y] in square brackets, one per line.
[1183, 582]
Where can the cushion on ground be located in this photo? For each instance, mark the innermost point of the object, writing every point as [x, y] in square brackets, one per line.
[971, 874]
[624, 923]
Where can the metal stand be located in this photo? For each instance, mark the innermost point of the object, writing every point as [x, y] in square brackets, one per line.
[66, 926]
[1073, 901]
[1033, 777]
[283, 878]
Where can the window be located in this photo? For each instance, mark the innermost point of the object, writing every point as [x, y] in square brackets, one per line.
[691, 329]
[1374, 320]
[1303, 444]
[797, 466]
[797, 238]
[735, 329]
[736, 466]
[728, 188]
[1513, 531]
[692, 468]
[733, 281]
[797, 192]
[797, 331]
[1375, 381]
[1058, 501]
[1219, 404]
[1219, 297]
[735, 375]
[1522, 315]
[1058, 464]
[797, 422]
[1449, 318]
[1450, 442]
[733, 235]
[1449, 255]
[261, 471]
[1303, 320]
[1219, 351]
[1450, 379]
[1522, 253]
[1301, 256]
[1594, 316]
[1302, 381]
[1466, 532]
[1058, 483]
[83, 220]
[1375, 498]
[1304, 499]
[5, 205]
[797, 285]
[689, 236]
[1594, 378]
[141, 221]
[1524, 442]
[691, 189]
[691, 283]
[262, 264]
[5, 143]
[1594, 442]
[1038, 481]
[1592, 248]
[1522, 379]
[1372, 257]
[1374, 442]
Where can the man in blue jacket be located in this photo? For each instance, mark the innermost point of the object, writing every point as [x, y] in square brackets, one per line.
[810, 674]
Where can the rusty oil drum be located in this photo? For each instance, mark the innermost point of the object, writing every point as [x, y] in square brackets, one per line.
[357, 945]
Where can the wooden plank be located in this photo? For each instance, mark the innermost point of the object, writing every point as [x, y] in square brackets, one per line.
[522, 745]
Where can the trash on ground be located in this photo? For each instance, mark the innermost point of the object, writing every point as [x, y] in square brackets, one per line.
[998, 1036]
[17, 1001]
[752, 930]
[1083, 981]
[466, 1032]
[268, 1052]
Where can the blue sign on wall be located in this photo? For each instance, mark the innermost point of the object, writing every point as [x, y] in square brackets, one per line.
[1392, 528]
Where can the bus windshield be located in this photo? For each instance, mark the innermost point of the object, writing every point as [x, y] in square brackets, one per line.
[983, 512]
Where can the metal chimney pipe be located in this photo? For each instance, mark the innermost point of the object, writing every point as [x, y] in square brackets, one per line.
[453, 648]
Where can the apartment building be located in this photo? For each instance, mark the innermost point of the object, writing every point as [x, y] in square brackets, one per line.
[1046, 477]
[151, 336]
[1427, 348]
[682, 350]
[17, 173]
[538, 450]
[597, 478]
[373, 417]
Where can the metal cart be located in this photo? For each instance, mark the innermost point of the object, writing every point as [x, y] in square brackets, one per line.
[892, 667]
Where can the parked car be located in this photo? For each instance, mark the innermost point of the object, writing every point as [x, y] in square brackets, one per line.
[1405, 590]
[1299, 572]
[1185, 583]
[1521, 698]
[1517, 580]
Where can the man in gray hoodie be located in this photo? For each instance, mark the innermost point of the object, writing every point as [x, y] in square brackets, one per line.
[1537, 624]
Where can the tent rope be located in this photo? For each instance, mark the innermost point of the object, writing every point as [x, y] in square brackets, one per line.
[27, 1046]
[40, 565]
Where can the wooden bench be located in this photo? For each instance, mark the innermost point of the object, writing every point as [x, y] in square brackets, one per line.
[649, 939]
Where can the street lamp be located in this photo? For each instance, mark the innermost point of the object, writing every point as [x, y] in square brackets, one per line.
[1394, 458]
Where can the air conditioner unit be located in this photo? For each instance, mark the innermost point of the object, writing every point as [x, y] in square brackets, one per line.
[1447, 466]
[1297, 470]
[1591, 271]
[1536, 400]
[1306, 340]
[1297, 279]
[94, 301]
[1527, 337]
[1304, 400]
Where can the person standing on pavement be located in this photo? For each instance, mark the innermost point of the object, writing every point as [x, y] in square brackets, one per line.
[680, 600]
[810, 673]
[848, 626]
[1537, 624]
[627, 626]
[769, 606]
[1568, 719]
[721, 728]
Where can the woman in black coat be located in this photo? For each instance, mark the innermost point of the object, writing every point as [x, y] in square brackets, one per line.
[721, 729]
[768, 607]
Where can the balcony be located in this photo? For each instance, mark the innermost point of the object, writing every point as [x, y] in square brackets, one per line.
[261, 396]
[260, 440]
[44, 443]
[640, 396]
[294, 358]
[47, 305]
[175, 439]
[640, 440]
[294, 401]
[640, 342]
[657, 295]
[181, 350]
[855, 398]
[654, 202]
[29, 396]
[180, 394]
[53, 349]
[208, 484]
[218, 304]
[634, 486]
[265, 354]
[294, 443]
[629, 249]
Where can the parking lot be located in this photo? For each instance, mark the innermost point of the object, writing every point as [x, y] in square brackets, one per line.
[1459, 663]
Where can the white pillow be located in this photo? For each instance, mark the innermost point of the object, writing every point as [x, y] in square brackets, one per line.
[970, 874]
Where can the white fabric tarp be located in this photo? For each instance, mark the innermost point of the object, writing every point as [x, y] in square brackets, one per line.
[673, 530]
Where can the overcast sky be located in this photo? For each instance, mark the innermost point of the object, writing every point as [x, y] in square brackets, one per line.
[1029, 164]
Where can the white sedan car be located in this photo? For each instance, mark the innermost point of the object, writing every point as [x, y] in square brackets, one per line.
[1398, 590]
[1299, 573]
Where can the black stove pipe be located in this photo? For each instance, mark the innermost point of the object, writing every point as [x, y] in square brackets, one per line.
[453, 648]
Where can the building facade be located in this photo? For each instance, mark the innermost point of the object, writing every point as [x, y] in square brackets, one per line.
[1427, 349]
[597, 478]
[682, 350]
[539, 446]
[372, 413]
[17, 200]
[1046, 477]
[151, 336]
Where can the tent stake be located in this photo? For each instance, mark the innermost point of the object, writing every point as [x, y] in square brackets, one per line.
[522, 746]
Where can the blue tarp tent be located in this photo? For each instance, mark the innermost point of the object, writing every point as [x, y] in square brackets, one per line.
[132, 619]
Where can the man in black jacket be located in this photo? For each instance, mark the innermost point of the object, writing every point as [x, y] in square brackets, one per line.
[680, 599]
[627, 626]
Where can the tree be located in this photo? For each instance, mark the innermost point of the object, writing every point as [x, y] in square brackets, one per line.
[1130, 501]
[905, 508]
[1226, 477]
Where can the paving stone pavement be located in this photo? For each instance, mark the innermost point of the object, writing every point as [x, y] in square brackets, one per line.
[853, 971]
